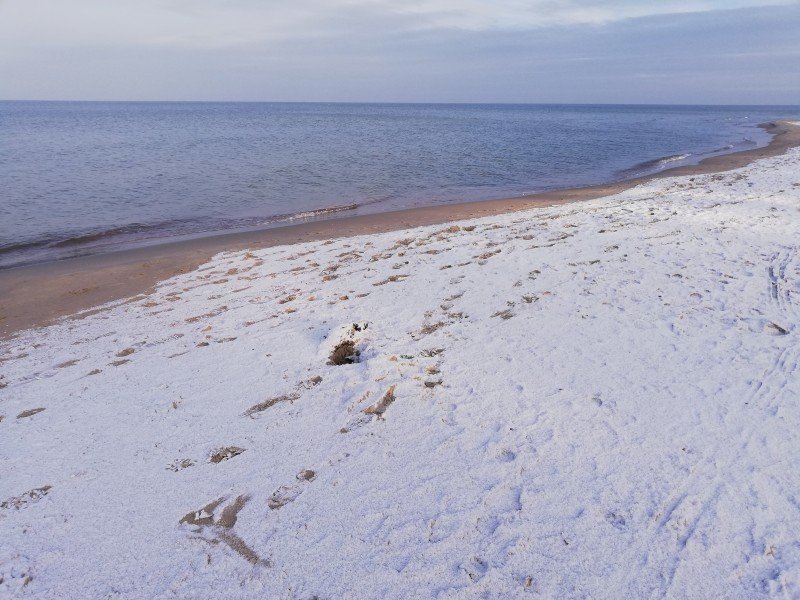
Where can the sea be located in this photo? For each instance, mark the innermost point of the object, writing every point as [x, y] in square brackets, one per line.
[81, 178]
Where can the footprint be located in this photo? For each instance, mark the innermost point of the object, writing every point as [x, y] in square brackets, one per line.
[30, 497]
[310, 382]
[381, 405]
[507, 456]
[220, 525]
[203, 516]
[475, 568]
[262, 406]
[504, 314]
[428, 329]
[179, 464]
[392, 279]
[289, 493]
[225, 454]
[370, 412]
[29, 413]
[775, 329]
[430, 353]
[616, 520]
[230, 513]
[15, 574]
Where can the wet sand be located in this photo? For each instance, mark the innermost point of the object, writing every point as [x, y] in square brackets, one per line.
[36, 295]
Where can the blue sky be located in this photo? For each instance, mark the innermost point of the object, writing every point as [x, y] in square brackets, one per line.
[670, 51]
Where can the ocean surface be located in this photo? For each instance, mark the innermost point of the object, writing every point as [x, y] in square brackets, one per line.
[86, 177]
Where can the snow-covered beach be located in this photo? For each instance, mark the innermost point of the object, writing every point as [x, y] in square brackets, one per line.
[592, 400]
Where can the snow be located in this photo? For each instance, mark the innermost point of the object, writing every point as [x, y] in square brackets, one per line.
[598, 399]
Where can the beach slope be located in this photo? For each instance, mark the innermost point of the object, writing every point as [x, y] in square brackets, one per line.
[594, 399]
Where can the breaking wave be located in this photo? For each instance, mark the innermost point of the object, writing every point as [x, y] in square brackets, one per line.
[652, 166]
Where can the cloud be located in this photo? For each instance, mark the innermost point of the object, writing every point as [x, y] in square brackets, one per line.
[420, 50]
[220, 23]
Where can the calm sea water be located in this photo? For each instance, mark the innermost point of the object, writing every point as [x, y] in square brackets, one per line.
[82, 177]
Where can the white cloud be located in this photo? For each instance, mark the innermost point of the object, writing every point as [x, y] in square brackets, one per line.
[522, 14]
[221, 23]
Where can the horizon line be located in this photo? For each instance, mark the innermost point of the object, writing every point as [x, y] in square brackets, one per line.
[386, 102]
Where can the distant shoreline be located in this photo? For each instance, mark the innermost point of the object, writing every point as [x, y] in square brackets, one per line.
[36, 295]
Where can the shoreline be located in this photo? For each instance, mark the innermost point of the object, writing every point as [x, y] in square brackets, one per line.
[75, 286]
[56, 247]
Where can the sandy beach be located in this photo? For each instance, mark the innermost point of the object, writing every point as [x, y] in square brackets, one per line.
[36, 295]
[523, 397]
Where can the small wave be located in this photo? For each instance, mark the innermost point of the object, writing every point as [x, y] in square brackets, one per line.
[723, 149]
[653, 165]
[660, 162]
[743, 143]
[88, 238]
[30, 245]
[67, 241]
[310, 214]
[55, 245]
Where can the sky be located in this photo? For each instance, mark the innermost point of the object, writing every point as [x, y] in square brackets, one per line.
[565, 51]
